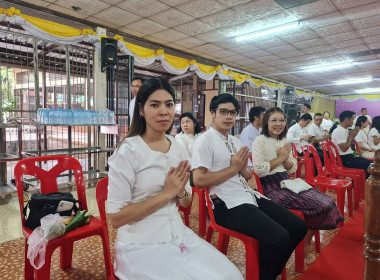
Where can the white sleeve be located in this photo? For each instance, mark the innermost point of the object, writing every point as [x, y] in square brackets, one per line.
[259, 162]
[340, 137]
[312, 131]
[291, 135]
[202, 154]
[180, 138]
[244, 138]
[121, 178]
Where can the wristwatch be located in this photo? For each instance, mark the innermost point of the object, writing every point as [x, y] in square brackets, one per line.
[180, 198]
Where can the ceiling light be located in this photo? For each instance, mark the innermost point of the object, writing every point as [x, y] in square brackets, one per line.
[367, 90]
[268, 31]
[353, 81]
[329, 67]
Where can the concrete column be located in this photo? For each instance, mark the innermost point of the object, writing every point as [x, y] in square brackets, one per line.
[100, 89]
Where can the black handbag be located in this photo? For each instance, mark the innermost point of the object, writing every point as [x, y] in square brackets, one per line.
[42, 204]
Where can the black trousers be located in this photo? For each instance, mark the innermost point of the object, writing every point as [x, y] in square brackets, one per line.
[277, 229]
[356, 162]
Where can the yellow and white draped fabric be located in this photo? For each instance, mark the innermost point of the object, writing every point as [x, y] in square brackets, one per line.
[352, 98]
[63, 34]
[48, 30]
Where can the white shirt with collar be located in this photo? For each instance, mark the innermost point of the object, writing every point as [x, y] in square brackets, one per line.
[212, 151]
[316, 131]
[339, 136]
[362, 138]
[187, 142]
[134, 178]
[295, 133]
[327, 124]
[247, 137]
[131, 109]
[373, 132]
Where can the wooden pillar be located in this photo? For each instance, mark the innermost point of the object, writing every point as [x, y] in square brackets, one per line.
[372, 222]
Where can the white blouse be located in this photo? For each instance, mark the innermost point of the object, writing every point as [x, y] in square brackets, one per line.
[326, 124]
[362, 138]
[264, 149]
[137, 173]
[373, 132]
[187, 141]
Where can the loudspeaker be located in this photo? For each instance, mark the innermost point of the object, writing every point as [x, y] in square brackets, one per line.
[108, 51]
[291, 112]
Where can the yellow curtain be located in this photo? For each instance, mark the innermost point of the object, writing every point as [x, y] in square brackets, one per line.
[320, 105]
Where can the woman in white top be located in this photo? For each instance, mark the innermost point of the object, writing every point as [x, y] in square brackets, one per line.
[374, 134]
[220, 163]
[273, 166]
[148, 175]
[188, 132]
[326, 122]
[362, 139]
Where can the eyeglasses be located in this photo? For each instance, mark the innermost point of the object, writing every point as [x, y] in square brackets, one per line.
[225, 112]
[281, 121]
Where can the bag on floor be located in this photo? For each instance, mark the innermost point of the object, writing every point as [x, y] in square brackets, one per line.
[42, 204]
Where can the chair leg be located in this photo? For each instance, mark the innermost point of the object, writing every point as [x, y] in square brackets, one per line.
[251, 262]
[29, 269]
[66, 253]
[210, 231]
[357, 190]
[44, 272]
[107, 256]
[317, 241]
[299, 256]
[349, 201]
[283, 274]
[298, 172]
[223, 241]
[340, 197]
[202, 214]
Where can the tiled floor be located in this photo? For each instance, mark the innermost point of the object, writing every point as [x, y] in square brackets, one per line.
[88, 258]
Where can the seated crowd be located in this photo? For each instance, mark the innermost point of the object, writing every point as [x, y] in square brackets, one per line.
[150, 174]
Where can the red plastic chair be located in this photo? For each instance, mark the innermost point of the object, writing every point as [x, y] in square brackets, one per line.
[251, 244]
[186, 212]
[48, 183]
[300, 161]
[337, 164]
[300, 249]
[101, 197]
[323, 182]
[332, 169]
[202, 210]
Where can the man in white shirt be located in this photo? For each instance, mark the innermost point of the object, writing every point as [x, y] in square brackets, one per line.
[343, 139]
[363, 112]
[251, 131]
[306, 110]
[317, 134]
[298, 135]
[135, 86]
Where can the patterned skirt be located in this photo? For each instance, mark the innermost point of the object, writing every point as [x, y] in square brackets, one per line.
[319, 209]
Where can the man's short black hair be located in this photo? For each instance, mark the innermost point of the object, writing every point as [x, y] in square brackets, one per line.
[306, 117]
[224, 98]
[317, 115]
[307, 106]
[255, 112]
[138, 78]
[362, 109]
[346, 114]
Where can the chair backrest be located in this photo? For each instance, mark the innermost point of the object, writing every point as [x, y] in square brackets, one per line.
[333, 150]
[209, 205]
[357, 148]
[294, 149]
[101, 197]
[259, 187]
[48, 177]
[309, 162]
[327, 159]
